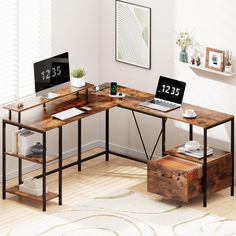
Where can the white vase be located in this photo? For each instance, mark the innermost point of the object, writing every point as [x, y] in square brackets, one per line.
[228, 69]
[77, 82]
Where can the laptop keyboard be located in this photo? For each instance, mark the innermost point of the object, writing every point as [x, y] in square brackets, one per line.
[163, 103]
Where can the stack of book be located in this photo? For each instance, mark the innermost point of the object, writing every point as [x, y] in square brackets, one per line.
[198, 153]
[23, 140]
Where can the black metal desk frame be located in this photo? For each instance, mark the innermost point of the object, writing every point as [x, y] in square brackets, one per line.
[107, 151]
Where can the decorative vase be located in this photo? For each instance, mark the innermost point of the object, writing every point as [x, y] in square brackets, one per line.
[183, 55]
[77, 82]
[37, 148]
[228, 69]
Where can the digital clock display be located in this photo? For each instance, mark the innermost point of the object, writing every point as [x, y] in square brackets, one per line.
[170, 89]
[51, 72]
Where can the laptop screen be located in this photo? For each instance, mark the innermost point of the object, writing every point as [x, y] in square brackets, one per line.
[170, 89]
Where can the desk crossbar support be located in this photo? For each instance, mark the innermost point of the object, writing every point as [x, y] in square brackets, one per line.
[158, 139]
[140, 135]
[72, 164]
[129, 157]
[162, 133]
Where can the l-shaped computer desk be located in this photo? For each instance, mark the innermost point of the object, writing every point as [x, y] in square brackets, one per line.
[35, 115]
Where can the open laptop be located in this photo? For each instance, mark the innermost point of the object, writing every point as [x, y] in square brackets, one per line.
[169, 95]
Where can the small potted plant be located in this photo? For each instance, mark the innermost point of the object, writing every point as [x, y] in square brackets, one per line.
[77, 78]
[184, 40]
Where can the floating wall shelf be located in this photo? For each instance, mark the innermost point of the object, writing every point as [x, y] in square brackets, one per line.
[201, 68]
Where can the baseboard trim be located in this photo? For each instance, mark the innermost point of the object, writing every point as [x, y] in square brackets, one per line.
[127, 151]
[67, 154]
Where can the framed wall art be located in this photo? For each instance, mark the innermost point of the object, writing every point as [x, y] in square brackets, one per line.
[214, 59]
[133, 34]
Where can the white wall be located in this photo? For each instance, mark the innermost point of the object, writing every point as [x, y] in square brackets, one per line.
[214, 25]
[87, 30]
[75, 26]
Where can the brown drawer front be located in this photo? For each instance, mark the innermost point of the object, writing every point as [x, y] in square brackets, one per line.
[171, 178]
[168, 186]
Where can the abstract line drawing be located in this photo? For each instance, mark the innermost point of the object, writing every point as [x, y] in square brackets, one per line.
[133, 34]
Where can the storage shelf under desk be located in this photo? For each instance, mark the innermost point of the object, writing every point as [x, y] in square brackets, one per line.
[217, 154]
[33, 158]
[15, 190]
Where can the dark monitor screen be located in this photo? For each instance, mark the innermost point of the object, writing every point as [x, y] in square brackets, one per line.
[170, 89]
[51, 72]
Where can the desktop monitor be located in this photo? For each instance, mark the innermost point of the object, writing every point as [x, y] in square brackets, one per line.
[51, 73]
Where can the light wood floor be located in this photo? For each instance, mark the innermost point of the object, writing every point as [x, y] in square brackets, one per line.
[97, 178]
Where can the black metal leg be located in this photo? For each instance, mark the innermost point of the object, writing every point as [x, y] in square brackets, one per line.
[107, 135]
[9, 115]
[44, 171]
[3, 160]
[163, 136]
[79, 145]
[140, 135]
[60, 166]
[232, 153]
[205, 168]
[190, 132]
[19, 160]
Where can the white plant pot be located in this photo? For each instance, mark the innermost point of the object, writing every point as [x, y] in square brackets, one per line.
[228, 69]
[77, 82]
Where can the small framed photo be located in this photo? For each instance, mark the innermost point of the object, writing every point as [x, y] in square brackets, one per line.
[214, 59]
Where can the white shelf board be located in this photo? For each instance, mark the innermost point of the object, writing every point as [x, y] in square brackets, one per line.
[211, 71]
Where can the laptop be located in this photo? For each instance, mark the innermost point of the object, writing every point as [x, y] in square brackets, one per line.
[169, 95]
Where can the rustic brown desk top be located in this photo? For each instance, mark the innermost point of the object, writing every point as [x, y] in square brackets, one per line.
[206, 118]
[40, 119]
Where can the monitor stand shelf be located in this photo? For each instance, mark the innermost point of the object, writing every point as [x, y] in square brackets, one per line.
[32, 102]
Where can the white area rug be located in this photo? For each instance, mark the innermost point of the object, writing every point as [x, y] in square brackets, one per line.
[127, 213]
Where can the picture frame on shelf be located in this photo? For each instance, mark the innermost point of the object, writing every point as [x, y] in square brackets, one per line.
[214, 59]
[133, 34]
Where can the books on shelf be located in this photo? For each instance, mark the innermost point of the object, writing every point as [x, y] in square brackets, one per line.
[32, 186]
[198, 153]
[23, 140]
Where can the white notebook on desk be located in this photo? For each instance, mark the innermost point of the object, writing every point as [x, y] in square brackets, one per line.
[67, 113]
